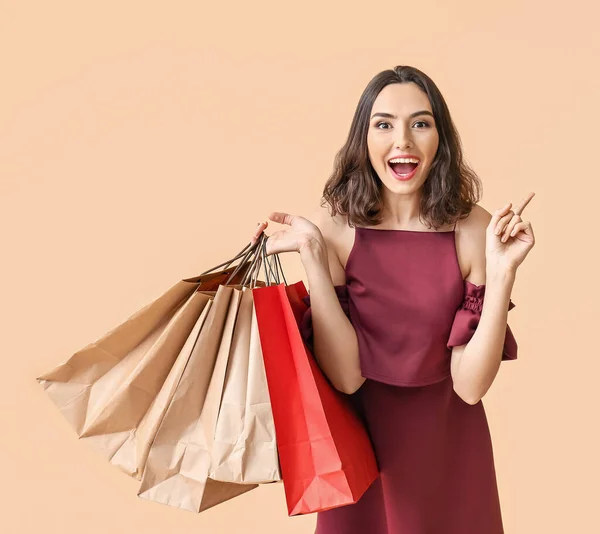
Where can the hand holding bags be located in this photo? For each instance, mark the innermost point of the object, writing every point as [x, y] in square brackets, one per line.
[188, 394]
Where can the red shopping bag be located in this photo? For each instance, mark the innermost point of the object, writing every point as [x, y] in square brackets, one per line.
[325, 454]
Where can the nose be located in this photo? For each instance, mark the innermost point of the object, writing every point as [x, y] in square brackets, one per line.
[403, 139]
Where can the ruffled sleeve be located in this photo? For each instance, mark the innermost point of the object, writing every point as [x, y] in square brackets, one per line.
[467, 318]
[306, 329]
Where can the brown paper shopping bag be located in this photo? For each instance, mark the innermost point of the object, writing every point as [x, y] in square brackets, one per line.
[244, 448]
[126, 378]
[132, 455]
[179, 459]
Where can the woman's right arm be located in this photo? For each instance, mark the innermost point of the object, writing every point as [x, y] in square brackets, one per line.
[335, 345]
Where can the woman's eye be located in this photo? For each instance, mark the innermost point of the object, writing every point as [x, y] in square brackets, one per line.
[379, 124]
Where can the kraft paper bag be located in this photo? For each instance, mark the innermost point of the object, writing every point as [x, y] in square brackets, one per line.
[132, 455]
[179, 459]
[245, 449]
[126, 378]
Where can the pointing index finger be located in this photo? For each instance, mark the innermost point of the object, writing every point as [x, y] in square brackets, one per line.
[521, 205]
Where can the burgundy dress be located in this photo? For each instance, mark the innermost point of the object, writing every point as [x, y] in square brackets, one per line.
[409, 305]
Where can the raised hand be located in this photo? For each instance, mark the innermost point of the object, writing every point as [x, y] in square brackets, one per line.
[509, 238]
[300, 233]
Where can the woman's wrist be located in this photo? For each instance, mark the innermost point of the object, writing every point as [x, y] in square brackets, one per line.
[314, 258]
[499, 285]
[500, 276]
[313, 251]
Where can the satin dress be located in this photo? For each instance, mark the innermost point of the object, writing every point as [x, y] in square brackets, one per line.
[406, 298]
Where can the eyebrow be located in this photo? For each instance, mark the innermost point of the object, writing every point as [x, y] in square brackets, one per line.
[391, 116]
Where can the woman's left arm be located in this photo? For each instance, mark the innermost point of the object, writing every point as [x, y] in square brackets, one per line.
[508, 240]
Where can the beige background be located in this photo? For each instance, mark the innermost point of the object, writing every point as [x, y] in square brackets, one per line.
[142, 143]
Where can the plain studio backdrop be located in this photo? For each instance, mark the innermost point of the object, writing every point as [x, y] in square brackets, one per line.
[141, 142]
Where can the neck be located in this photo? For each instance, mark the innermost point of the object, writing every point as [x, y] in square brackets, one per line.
[401, 211]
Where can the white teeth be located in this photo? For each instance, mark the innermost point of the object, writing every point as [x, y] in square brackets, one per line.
[404, 160]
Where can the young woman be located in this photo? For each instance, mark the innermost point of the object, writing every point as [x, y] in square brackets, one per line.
[397, 267]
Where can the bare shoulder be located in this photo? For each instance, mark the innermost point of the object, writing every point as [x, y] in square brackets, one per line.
[332, 227]
[477, 220]
[337, 234]
[471, 242]
[322, 218]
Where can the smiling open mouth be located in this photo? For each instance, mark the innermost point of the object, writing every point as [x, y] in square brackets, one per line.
[403, 168]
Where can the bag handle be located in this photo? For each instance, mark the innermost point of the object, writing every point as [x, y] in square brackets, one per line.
[229, 262]
[250, 252]
[256, 255]
[255, 264]
[268, 262]
[261, 259]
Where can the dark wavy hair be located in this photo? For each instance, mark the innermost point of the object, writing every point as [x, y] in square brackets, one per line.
[354, 188]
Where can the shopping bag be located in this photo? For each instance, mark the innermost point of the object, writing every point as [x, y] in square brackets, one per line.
[125, 379]
[132, 455]
[179, 458]
[325, 454]
[244, 448]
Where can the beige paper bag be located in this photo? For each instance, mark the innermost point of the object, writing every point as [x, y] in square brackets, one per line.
[179, 459]
[132, 455]
[106, 389]
[245, 449]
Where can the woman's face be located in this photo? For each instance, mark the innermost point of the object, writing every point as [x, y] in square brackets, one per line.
[402, 125]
